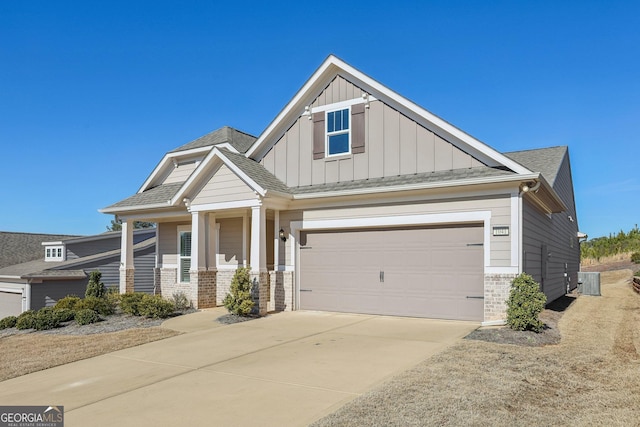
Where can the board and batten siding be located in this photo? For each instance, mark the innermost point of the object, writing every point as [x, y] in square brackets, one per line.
[224, 186]
[555, 234]
[394, 145]
[499, 206]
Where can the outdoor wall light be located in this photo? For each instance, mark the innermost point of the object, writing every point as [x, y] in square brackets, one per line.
[283, 237]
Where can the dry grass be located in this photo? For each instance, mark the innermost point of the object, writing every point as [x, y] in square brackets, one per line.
[607, 260]
[591, 378]
[22, 354]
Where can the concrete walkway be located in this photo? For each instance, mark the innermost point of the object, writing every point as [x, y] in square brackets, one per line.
[287, 369]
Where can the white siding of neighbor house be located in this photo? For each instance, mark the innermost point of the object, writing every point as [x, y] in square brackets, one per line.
[224, 186]
[499, 206]
[394, 145]
[559, 234]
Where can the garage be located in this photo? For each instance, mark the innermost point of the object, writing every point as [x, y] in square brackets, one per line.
[10, 304]
[434, 272]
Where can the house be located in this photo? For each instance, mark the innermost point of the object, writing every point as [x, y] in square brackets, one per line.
[64, 265]
[16, 248]
[355, 199]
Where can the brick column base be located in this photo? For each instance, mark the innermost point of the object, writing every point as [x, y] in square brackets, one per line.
[261, 291]
[281, 290]
[127, 280]
[203, 288]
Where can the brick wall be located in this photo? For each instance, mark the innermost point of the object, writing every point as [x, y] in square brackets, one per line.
[281, 290]
[223, 284]
[496, 293]
[203, 286]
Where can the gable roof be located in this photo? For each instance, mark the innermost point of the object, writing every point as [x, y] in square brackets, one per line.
[334, 66]
[547, 161]
[159, 196]
[225, 135]
[16, 248]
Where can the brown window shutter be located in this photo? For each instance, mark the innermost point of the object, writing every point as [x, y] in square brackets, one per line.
[318, 135]
[357, 128]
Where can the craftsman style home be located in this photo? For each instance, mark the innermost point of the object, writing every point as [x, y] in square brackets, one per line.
[355, 199]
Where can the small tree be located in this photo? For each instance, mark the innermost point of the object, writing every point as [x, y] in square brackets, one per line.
[525, 304]
[95, 288]
[239, 300]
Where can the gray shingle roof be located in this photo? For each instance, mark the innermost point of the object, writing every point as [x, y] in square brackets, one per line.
[69, 268]
[239, 140]
[16, 248]
[256, 172]
[547, 161]
[160, 194]
[419, 178]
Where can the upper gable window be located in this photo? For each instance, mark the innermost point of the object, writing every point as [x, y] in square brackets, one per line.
[54, 253]
[338, 132]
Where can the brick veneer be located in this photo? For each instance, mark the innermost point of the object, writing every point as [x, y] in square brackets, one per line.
[127, 280]
[281, 291]
[496, 293]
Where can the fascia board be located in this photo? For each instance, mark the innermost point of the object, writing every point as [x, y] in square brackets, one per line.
[421, 186]
[334, 65]
[167, 161]
[134, 208]
[206, 163]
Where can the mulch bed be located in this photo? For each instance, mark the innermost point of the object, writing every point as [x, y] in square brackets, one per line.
[548, 336]
[229, 319]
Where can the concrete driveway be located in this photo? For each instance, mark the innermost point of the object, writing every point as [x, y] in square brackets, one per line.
[287, 369]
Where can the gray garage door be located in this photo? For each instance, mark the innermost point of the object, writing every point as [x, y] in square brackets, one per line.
[419, 272]
[10, 304]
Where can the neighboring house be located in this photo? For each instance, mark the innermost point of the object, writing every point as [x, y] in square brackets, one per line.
[355, 199]
[16, 248]
[64, 265]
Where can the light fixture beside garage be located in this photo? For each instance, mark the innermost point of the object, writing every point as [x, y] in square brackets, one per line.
[502, 230]
[283, 236]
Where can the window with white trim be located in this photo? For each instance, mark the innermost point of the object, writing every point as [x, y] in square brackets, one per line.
[184, 255]
[54, 253]
[338, 132]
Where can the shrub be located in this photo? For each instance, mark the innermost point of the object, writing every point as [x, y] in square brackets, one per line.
[69, 302]
[180, 301]
[95, 288]
[27, 320]
[154, 306]
[635, 257]
[100, 305]
[64, 314]
[129, 303]
[525, 304]
[46, 318]
[239, 300]
[8, 322]
[113, 296]
[85, 316]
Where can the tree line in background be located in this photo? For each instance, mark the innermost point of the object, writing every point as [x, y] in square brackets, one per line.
[614, 244]
[116, 225]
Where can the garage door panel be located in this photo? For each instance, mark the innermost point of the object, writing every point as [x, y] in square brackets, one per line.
[428, 272]
[10, 304]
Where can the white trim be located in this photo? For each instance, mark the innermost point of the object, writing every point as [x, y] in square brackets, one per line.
[343, 104]
[50, 249]
[276, 239]
[245, 234]
[516, 235]
[500, 270]
[249, 203]
[12, 291]
[168, 158]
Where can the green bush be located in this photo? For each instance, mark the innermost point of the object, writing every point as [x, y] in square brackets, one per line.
[154, 306]
[180, 301]
[8, 322]
[64, 314]
[46, 318]
[100, 305]
[69, 302]
[85, 316]
[27, 320]
[95, 288]
[239, 300]
[525, 304]
[113, 296]
[635, 257]
[129, 303]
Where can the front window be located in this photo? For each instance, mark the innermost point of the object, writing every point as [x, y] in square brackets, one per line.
[184, 257]
[338, 134]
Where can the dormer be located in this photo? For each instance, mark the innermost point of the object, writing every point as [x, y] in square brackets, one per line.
[54, 251]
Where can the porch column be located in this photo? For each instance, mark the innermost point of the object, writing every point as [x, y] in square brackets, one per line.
[259, 256]
[212, 245]
[203, 282]
[126, 258]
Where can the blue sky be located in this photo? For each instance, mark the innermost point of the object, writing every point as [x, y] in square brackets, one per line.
[92, 94]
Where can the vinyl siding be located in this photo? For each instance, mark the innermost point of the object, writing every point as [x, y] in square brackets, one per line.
[46, 294]
[230, 242]
[181, 173]
[83, 249]
[558, 234]
[499, 206]
[394, 144]
[168, 243]
[224, 186]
